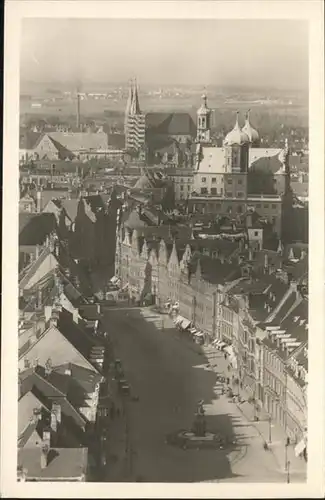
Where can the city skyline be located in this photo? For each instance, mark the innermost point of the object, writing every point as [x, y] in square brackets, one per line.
[274, 54]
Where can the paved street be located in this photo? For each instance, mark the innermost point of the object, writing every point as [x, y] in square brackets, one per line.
[169, 374]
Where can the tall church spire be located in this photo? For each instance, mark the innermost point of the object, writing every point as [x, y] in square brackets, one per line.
[135, 106]
[130, 97]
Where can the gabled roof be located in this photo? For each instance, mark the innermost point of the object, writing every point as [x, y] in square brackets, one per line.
[214, 270]
[116, 140]
[63, 463]
[29, 139]
[55, 386]
[212, 160]
[178, 123]
[30, 272]
[54, 345]
[26, 406]
[265, 160]
[76, 141]
[86, 378]
[34, 228]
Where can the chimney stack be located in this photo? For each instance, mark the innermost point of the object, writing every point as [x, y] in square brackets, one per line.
[45, 448]
[38, 201]
[78, 111]
[47, 313]
[55, 416]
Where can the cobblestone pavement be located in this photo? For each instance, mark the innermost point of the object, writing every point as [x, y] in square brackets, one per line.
[170, 374]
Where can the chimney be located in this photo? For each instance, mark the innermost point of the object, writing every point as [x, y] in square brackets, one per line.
[78, 111]
[39, 299]
[75, 315]
[37, 252]
[68, 371]
[250, 254]
[44, 453]
[55, 416]
[53, 320]
[38, 201]
[266, 261]
[48, 367]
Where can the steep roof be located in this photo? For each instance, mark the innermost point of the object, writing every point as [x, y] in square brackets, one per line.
[116, 140]
[212, 160]
[76, 141]
[56, 386]
[63, 463]
[54, 345]
[34, 228]
[265, 160]
[29, 139]
[178, 123]
[26, 406]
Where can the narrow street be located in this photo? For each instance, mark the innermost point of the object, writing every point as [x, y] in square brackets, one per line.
[169, 375]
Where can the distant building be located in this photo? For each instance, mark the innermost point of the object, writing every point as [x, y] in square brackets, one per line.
[134, 125]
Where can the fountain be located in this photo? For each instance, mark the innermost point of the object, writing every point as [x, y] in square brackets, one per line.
[198, 437]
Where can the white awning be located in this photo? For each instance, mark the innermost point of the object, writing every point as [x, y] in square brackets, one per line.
[185, 323]
[193, 330]
[300, 447]
[199, 334]
[222, 344]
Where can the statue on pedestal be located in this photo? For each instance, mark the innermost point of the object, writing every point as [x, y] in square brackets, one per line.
[199, 426]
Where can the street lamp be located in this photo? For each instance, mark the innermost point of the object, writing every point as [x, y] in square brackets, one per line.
[270, 431]
[288, 471]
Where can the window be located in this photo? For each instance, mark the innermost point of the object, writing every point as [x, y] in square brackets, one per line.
[203, 179]
[182, 180]
[182, 188]
[214, 180]
[266, 205]
[240, 194]
[240, 181]
[213, 190]
[273, 206]
[229, 181]
[258, 205]
[255, 233]
[239, 209]
[221, 191]
[229, 194]
[204, 190]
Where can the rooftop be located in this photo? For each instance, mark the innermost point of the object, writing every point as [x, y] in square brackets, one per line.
[65, 464]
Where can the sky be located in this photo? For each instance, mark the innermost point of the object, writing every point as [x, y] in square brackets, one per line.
[271, 53]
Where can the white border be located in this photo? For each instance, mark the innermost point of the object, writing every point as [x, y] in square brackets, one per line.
[311, 10]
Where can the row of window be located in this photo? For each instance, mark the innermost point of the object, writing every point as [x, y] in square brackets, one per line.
[228, 194]
[214, 180]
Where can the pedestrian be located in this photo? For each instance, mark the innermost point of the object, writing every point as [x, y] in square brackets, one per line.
[225, 355]
[228, 380]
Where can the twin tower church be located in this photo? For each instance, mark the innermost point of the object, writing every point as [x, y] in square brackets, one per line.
[151, 133]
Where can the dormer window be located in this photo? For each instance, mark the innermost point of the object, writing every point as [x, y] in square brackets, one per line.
[295, 319]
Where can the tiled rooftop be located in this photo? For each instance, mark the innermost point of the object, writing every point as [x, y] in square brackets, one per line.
[63, 463]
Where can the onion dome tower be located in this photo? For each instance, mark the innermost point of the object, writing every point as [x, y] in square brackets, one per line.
[253, 135]
[236, 145]
[203, 122]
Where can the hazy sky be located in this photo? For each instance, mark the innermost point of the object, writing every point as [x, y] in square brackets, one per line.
[220, 52]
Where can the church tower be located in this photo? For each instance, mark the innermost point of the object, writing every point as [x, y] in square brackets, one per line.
[203, 122]
[236, 145]
[134, 124]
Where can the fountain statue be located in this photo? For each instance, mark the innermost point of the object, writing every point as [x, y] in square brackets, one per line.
[199, 426]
